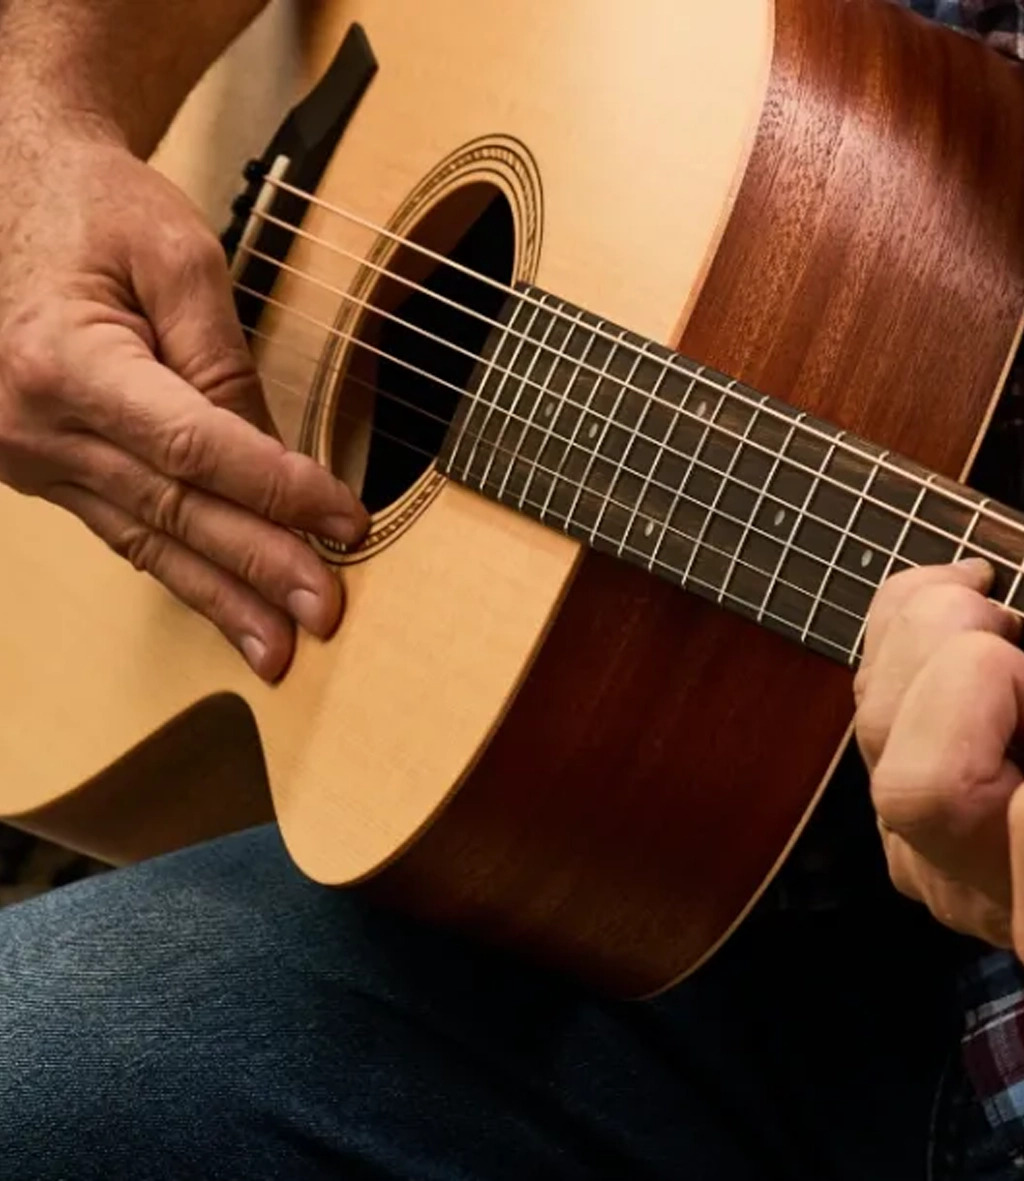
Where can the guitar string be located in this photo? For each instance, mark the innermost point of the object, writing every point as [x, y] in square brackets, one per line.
[819, 476]
[639, 514]
[334, 371]
[728, 390]
[787, 547]
[515, 455]
[720, 591]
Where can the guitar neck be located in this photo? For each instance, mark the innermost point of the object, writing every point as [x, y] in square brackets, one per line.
[733, 495]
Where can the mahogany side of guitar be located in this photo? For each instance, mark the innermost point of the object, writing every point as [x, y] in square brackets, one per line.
[623, 837]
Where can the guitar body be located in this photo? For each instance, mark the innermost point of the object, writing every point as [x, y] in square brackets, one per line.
[511, 734]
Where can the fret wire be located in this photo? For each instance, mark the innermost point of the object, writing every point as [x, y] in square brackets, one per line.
[709, 424]
[495, 404]
[893, 558]
[718, 495]
[608, 540]
[478, 397]
[818, 637]
[550, 434]
[632, 437]
[1015, 586]
[745, 535]
[694, 460]
[668, 528]
[509, 412]
[567, 452]
[981, 509]
[658, 457]
[965, 541]
[844, 536]
[801, 514]
[699, 582]
[524, 435]
[707, 384]
[605, 375]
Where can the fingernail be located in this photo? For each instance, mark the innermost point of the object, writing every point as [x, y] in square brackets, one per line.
[345, 529]
[254, 650]
[307, 608]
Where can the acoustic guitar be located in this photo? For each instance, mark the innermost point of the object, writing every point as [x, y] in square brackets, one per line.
[655, 340]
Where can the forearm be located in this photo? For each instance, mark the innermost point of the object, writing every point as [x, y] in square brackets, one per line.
[127, 63]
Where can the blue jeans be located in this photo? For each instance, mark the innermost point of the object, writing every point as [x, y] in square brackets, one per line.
[213, 1014]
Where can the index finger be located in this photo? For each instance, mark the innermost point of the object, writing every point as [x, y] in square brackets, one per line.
[143, 407]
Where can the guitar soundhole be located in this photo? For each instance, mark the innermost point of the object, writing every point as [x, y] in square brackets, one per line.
[429, 324]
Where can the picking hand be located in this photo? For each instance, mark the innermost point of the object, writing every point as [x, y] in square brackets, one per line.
[128, 395]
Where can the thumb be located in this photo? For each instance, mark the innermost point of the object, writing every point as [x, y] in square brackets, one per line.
[182, 281]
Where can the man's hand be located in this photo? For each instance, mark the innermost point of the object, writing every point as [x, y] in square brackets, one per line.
[940, 703]
[127, 393]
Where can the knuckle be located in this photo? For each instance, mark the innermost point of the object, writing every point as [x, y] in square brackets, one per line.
[193, 254]
[948, 606]
[186, 454]
[898, 584]
[277, 491]
[216, 606]
[250, 568]
[167, 511]
[871, 725]
[929, 791]
[226, 374]
[140, 545]
[33, 365]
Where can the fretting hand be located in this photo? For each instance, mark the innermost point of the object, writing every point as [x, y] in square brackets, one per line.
[940, 702]
[128, 396]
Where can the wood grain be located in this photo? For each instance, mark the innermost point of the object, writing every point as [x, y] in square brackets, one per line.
[662, 753]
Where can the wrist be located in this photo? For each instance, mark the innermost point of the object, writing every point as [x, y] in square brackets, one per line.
[39, 111]
[118, 65]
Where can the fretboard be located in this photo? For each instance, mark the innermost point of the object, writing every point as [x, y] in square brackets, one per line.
[735, 496]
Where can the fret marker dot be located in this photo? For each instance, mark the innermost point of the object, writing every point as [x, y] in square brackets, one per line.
[649, 529]
[780, 517]
[866, 558]
[592, 433]
[549, 409]
[702, 409]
